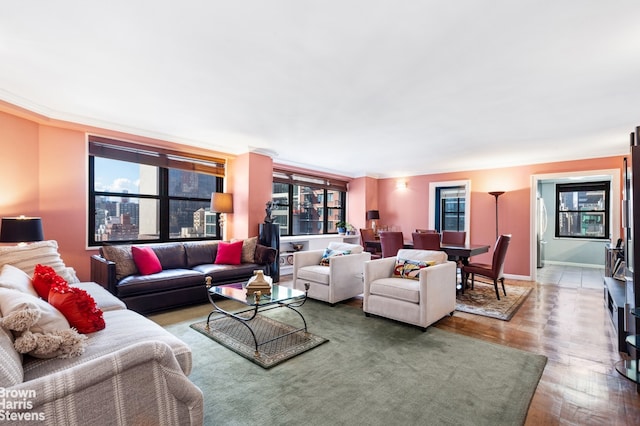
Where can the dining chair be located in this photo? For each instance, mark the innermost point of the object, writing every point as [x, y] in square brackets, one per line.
[454, 238]
[426, 241]
[494, 271]
[391, 242]
[368, 237]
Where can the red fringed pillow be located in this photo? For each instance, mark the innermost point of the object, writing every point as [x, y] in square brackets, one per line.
[146, 260]
[229, 253]
[44, 277]
[78, 307]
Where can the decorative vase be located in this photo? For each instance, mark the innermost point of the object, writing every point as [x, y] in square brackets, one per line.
[259, 283]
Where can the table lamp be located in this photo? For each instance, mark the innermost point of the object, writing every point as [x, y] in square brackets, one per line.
[21, 229]
[372, 215]
[222, 203]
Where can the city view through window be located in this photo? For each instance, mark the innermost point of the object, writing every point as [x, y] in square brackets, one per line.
[143, 202]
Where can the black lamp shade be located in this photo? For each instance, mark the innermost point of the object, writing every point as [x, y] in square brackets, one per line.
[373, 214]
[21, 229]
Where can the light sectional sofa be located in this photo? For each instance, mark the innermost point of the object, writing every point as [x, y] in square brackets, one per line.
[133, 372]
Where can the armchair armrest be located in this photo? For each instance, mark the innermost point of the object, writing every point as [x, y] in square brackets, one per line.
[438, 290]
[377, 269]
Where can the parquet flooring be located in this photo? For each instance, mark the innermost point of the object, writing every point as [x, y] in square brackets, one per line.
[568, 324]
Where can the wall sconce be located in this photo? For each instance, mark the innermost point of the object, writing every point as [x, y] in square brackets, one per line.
[373, 215]
[21, 230]
[401, 184]
[222, 203]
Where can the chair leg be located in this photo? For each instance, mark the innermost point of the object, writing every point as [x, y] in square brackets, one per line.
[495, 286]
[473, 278]
[503, 290]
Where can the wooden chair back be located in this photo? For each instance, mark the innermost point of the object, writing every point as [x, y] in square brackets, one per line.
[426, 240]
[391, 242]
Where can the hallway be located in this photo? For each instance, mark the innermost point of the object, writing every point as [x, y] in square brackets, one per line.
[571, 276]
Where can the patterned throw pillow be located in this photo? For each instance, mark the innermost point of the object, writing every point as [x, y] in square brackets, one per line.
[329, 253]
[410, 269]
[123, 259]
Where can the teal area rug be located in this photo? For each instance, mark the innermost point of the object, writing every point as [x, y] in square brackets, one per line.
[372, 371]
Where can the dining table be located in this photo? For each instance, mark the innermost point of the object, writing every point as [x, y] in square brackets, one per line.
[462, 252]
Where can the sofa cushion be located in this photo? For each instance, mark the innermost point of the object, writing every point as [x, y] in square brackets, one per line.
[124, 328]
[200, 252]
[122, 257]
[11, 372]
[166, 280]
[229, 273]
[17, 279]
[146, 260]
[229, 253]
[315, 273]
[78, 307]
[396, 288]
[26, 257]
[171, 255]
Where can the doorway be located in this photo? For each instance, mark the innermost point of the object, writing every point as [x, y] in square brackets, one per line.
[539, 182]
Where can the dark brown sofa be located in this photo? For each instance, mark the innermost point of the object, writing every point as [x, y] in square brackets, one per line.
[182, 279]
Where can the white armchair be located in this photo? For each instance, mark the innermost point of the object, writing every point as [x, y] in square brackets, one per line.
[339, 281]
[419, 302]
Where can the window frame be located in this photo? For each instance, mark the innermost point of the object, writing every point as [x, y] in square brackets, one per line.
[290, 179]
[164, 160]
[583, 187]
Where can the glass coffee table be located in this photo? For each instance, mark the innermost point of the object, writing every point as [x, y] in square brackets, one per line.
[280, 297]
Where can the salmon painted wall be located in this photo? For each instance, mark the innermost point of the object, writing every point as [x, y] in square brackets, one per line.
[43, 172]
[252, 187]
[408, 209]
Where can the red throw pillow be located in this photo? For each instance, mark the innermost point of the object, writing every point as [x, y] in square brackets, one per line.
[146, 260]
[44, 277]
[229, 253]
[78, 307]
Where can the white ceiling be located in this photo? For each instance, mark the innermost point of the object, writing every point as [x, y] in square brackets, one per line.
[361, 87]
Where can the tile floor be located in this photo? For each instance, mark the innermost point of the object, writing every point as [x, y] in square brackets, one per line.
[571, 276]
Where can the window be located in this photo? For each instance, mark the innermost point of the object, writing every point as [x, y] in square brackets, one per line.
[451, 209]
[307, 205]
[583, 210]
[140, 194]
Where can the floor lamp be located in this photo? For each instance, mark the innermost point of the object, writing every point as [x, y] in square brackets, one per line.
[496, 194]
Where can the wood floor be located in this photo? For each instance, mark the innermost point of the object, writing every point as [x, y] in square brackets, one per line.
[569, 325]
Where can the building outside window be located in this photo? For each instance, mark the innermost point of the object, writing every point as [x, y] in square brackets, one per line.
[583, 210]
[138, 194]
[307, 205]
[450, 215]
